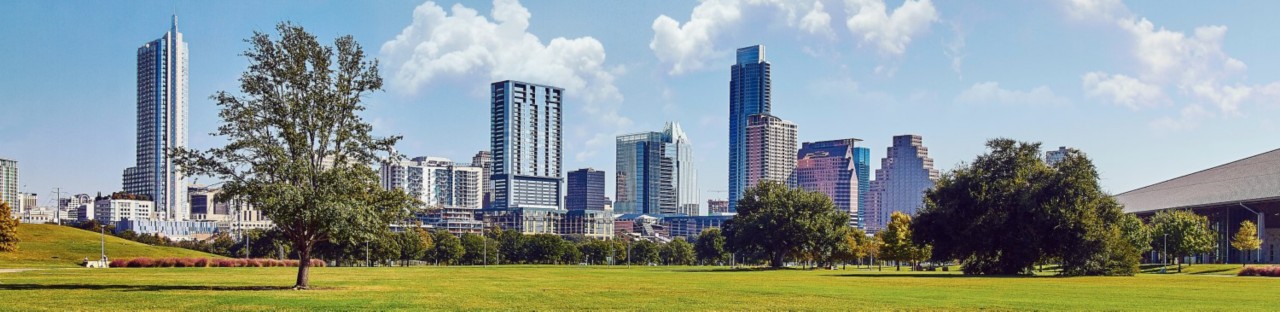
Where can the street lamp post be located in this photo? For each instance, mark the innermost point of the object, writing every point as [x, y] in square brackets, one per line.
[1165, 257]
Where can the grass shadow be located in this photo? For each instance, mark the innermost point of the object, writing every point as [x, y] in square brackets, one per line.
[939, 275]
[6, 286]
[744, 269]
[1214, 271]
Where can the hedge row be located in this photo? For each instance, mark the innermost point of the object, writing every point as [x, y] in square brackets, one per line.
[1272, 271]
[206, 263]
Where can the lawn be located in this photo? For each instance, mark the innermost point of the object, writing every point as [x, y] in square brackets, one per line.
[634, 288]
[46, 245]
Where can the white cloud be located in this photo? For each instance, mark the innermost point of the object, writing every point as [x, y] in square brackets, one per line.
[1123, 90]
[466, 46]
[688, 47]
[889, 32]
[1188, 118]
[991, 92]
[954, 49]
[1095, 9]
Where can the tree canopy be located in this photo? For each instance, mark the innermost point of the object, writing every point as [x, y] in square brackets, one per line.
[8, 229]
[1246, 239]
[297, 149]
[1184, 232]
[776, 223]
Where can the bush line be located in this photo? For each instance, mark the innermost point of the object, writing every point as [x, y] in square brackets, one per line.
[206, 263]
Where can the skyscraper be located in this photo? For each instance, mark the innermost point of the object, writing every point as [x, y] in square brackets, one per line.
[162, 124]
[585, 190]
[829, 167]
[862, 167]
[656, 173]
[770, 150]
[905, 173]
[435, 181]
[9, 185]
[1053, 157]
[749, 94]
[525, 137]
[484, 160]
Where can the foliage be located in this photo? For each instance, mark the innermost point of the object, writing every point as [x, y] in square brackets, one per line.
[145, 262]
[1187, 233]
[569, 252]
[645, 252]
[776, 223]
[709, 247]
[413, 246]
[1270, 271]
[297, 149]
[448, 248]
[677, 252]
[1009, 210]
[511, 246]
[8, 229]
[1136, 232]
[47, 245]
[544, 248]
[1246, 239]
[898, 245]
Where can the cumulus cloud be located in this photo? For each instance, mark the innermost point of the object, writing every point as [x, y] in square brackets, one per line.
[688, 47]
[991, 92]
[890, 33]
[1123, 90]
[464, 45]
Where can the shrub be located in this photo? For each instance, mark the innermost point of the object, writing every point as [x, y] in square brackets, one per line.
[253, 263]
[119, 263]
[224, 263]
[165, 262]
[317, 263]
[201, 262]
[1271, 271]
[240, 263]
[141, 263]
[186, 262]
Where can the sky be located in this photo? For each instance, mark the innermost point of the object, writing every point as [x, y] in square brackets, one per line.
[1149, 90]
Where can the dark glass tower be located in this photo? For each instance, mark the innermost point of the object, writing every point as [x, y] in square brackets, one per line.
[862, 167]
[586, 190]
[749, 89]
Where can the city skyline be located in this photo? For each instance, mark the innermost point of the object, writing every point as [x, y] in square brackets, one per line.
[93, 107]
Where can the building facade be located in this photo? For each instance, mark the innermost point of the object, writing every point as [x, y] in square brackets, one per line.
[9, 185]
[586, 190]
[28, 201]
[436, 182]
[770, 151]
[750, 90]
[830, 168]
[525, 128]
[484, 160]
[862, 168]
[162, 124]
[1053, 157]
[905, 174]
[108, 210]
[656, 173]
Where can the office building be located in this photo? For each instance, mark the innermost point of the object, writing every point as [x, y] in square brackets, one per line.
[1053, 157]
[749, 94]
[484, 160]
[862, 168]
[905, 174]
[597, 224]
[162, 124]
[829, 167]
[435, 181]
[28, 201]
[109, 209]
[455, 220]
[525, 137]
[770, 151]
[586, 190]
[656, 173]
[717, 206]
[9, 185]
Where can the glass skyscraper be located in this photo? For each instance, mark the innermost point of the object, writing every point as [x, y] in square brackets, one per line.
[829, 167]
[749, 94]
[162, 125]
[862, 167]
[525, 137]
[585, 190]
[656, 173]
[905, 173]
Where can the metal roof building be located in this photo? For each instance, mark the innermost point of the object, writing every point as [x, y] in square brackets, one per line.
[1246, 189]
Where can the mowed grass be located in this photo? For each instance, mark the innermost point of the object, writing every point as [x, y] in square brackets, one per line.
[46, 245]
[618, 288]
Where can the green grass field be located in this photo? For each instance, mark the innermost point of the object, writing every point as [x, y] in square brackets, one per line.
[45, 245]
[610, 288]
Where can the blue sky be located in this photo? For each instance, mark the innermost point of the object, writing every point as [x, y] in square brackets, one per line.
[1150, 90]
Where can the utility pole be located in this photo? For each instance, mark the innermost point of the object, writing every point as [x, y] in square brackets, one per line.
[57, 205]
[102, 232]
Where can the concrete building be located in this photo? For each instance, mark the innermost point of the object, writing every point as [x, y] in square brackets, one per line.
[456, 220]
[1246, 189]
[656, 173]
[525, 135]
[689, 227]
[171, 229]
[596, 224]
[108, 210]
[525, 220]
[829, 167]
[585, 190]
[1053, 157]
[905, 174]
[717, 206]
[28, 201]
[9, 185]
[750, 90]
[436, 182]
[770, 151]
[484, 160]
[162, 124]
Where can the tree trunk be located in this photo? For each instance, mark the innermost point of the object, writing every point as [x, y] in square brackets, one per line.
[776, 262]
[304, 267]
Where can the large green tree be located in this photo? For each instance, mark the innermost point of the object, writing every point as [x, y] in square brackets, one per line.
[897, 243]
[777, 223]
[1008, 210]
[709, 247]
[8, 229]
[677, 252]
[297, 149]
[448, 248]
[1246, 240]
[1184, 232]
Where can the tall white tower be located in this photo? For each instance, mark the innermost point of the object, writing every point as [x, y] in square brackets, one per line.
[162, 124]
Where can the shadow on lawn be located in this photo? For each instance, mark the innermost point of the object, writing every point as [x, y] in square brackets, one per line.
[6, 286]
[939, 275]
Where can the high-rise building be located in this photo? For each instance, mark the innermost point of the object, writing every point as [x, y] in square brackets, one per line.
[717, 206]
[905, 173]
[585, 190]
[656, 173]
[484, 160]
[162, 124]
[1053, 157]
[436, 182]
[770, 151]
[749, 94]
[9, 185]
[525, 137]
[862, 168]
[30, 201]
[829, 167]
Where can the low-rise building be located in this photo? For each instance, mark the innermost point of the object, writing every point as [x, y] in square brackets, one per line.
[108, 210]
[596, 224]
[689, 227]
[174, 230]
[456, 220]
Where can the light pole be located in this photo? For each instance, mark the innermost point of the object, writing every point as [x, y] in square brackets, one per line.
[1165, 257]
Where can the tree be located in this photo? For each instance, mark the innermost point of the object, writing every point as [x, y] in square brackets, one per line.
[677, 252]
[872, 248]
[645, 252]
[709, 247]
[1246, 240]
[778, 223]
[1136, 232]
[898, 245]
[476, 246]
[412, 246]
[1187, 233]
[1008, 210]
[448, 248]
[8, 229]
[569, 252]
[511, 245]
[854, 246]
[544, 248]
[297, 150]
